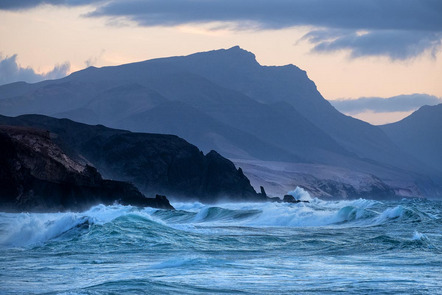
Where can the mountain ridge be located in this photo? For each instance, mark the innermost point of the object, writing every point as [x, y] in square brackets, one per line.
[37, 176]
[276, 107]
[417, 136]
[154, 163]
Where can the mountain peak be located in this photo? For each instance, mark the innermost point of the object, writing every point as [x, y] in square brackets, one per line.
[237, 51]
[235, 55]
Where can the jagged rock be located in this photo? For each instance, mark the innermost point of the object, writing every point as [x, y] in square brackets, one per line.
[37, 175]
[162, 202]
[291, 199]
[263, 192]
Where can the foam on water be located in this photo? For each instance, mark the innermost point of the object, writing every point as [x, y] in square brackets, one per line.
[320, 247]
[26, 229]
[29, 229]
[417, 236]
[300, 194]
[315, 213]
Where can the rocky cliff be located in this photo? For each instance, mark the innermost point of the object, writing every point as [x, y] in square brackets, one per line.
[154, 163]
[37, 175]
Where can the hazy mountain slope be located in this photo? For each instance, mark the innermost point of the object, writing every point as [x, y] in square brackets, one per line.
[114, 104]
[420, 134]
[327, 182]
[238, 69]
[177, 78]
[111, 95]
[51, 97]
[14, 89]
[204, 131]
[291, 132]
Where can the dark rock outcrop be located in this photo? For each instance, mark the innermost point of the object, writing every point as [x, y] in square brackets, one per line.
[291, 199]
[36, 175]
[286, 199]
[154, 163]
[263, 191]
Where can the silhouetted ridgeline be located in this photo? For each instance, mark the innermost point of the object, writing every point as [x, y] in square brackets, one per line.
[36, 175]
[154, 163]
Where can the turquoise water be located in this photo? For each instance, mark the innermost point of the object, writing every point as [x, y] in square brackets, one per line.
[321, 247]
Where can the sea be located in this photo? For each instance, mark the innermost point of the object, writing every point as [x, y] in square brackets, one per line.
[320, 247]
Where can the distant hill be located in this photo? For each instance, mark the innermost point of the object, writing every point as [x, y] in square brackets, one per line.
[224, 100]
[420, 135]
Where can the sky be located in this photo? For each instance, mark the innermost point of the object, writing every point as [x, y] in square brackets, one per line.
[351, 49]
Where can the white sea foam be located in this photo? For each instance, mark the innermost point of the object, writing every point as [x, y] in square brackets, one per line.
[389, 214]
[30, 229]
[27, 229]
[189, 206]
[314, 213]
[417, 236]
[300, 194]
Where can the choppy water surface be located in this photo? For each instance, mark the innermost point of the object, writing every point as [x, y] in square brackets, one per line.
[321, 247]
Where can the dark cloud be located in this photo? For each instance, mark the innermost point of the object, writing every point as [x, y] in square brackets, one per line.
[400, 103]
[10, 72]
[28, 4]
[348, 14]
[410, 26]
[399, 29]
[393, 43]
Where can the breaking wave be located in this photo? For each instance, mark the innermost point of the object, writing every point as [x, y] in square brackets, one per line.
[29, 229]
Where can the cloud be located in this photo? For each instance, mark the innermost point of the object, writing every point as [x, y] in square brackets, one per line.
[348, 14]
[389, 25]
[400, 103]
[398, 45]
[399, 29]
[28, 4]
[93, 60]
[11, 71]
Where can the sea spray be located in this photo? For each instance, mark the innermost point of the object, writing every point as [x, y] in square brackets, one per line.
[300, 194]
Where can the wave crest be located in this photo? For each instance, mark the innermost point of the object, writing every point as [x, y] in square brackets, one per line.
[22, 230]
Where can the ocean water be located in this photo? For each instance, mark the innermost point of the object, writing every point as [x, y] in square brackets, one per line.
[321, 247]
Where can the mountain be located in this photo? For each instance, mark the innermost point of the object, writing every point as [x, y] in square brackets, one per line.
[420, 135]
[225, 100]
[238, 70]
[118, 96]
[202, 129]
[36, 175]
[154, 163]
